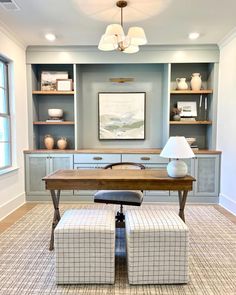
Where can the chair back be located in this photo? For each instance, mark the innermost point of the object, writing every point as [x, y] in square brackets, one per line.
[125, 165]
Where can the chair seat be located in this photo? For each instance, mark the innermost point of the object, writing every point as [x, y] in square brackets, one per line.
[123, 197]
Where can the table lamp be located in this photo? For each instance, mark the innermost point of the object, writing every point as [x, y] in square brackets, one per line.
[177, 148]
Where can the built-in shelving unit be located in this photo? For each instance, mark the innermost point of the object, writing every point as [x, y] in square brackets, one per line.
[43, 100]
[203, 127]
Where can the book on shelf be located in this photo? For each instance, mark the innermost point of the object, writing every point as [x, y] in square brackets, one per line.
[54, 120]
[188, 119]
[194, 147]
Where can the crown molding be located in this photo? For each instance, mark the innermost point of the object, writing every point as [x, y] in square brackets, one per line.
[227, 39]
[11, 35]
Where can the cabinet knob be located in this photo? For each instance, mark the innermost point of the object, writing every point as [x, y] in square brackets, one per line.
[97, 158]
[145, 158]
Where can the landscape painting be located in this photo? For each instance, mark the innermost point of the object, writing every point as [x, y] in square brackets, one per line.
[121, 115]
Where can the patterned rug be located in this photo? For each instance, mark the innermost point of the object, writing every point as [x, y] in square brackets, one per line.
[27, 266]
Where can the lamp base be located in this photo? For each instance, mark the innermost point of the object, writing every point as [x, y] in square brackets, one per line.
[177, 168]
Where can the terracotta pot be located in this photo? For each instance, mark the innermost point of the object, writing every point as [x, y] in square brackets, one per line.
[48, 141]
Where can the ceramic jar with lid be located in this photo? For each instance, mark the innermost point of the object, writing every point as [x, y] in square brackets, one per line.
[48, 141]
[62, 143]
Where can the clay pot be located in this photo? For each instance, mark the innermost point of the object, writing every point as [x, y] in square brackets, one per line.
[196, 81]
[62, 143]
[48, 141]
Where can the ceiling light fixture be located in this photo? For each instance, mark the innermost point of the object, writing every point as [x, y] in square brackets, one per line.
[50, 37]
[193, 36]
[114, 37]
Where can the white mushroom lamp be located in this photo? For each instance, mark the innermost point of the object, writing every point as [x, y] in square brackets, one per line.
[177, 148]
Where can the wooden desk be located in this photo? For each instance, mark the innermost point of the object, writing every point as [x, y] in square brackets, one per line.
[114, 179]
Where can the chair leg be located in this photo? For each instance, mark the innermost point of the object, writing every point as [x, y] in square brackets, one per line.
[120, 217]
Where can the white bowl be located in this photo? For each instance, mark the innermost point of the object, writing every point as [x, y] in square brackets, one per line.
[190, 140]
[55, 113]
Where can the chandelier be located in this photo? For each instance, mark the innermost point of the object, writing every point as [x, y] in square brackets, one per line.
[115, 38]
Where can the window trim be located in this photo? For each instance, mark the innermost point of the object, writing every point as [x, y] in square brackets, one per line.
[7, 114]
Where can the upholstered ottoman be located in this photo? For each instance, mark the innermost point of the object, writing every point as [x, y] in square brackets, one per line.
[157, 247]
[85, 247]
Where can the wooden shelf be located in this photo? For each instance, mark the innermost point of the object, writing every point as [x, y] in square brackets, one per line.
[54, 123]
[205, 91]
[53, 92]
[190, 122]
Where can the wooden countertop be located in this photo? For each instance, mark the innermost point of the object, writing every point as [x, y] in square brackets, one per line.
[111, 151]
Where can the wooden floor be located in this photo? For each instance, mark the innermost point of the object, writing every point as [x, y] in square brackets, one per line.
[17, 214]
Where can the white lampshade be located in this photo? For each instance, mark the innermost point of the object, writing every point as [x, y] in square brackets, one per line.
[131, 49]
[177, 147]
[115, 29]
[107, 43]
[137, 36]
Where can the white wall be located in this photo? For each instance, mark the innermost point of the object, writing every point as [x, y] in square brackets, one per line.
[226, 121]
[12, 193]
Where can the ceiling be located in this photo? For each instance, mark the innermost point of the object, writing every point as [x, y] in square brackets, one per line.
[82, 22]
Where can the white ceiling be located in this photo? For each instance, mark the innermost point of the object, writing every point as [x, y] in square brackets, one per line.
[82, 22]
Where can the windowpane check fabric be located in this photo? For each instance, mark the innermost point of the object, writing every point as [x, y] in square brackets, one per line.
[85, 247]
[157, 247]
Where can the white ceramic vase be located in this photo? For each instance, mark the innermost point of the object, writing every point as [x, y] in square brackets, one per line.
[196, 82]
[48, 141]
[181, 84]
[62, 143]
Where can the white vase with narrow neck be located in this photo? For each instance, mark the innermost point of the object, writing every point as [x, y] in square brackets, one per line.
[181, 84]
[196, 82]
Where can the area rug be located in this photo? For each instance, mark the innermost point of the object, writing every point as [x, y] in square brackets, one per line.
[27, 266]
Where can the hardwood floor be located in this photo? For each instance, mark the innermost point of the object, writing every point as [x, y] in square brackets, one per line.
[20, 212]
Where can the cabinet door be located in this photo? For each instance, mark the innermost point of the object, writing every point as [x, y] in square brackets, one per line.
[207, 175]
[37, 166]
[62, 161]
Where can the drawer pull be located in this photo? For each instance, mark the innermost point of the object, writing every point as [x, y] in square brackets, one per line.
[145, 158]
[97, 158]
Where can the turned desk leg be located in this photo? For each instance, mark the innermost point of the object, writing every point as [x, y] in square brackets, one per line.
[182, 201]
[56, 216]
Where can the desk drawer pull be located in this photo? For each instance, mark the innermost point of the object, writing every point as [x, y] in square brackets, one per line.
[97, 158]
[145, 158]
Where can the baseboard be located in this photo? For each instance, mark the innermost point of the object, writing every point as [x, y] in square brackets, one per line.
[11, 205]
[227, 203]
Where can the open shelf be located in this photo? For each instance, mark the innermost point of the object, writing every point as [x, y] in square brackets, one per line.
[54, 123]
[190, 122]
[52, 92]
[205, 91]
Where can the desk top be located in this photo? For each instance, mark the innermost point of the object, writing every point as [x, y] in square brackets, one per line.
[116, 179]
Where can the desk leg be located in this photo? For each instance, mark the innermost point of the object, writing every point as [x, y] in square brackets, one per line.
[56, 217]
[182, 201]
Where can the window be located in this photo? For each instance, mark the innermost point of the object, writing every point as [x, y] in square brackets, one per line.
[5, 120]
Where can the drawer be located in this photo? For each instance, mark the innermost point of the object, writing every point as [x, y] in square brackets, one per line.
[97, 158]
[144, 158]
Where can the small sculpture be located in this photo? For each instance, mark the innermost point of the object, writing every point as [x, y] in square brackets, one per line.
[48, 141]
[62, 143]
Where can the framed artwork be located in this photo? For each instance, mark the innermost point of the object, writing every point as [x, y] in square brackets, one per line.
[188, 108]
[49, 79]
[64, 84]
[121, 115]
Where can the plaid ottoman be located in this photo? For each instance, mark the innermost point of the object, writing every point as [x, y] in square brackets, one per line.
[85, 247]
[157, 247]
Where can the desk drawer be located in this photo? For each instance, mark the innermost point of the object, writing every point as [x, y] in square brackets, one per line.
[144, 158]
[97, 158]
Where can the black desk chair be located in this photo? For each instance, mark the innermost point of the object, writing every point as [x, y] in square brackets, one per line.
[121, 197]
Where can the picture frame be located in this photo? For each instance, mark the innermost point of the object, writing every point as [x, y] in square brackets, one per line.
[49, 79]
[188, 108]
[64, 85]
[121, 115]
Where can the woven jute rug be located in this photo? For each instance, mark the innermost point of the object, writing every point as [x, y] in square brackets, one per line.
[27, 266]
